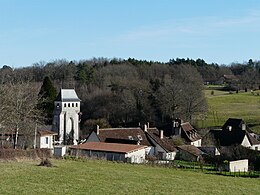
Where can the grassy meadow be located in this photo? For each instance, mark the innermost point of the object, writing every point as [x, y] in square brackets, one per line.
[223, 105]
[101, 177]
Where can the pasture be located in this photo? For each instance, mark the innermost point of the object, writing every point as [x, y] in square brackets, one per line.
[223, 105]
[102, 177]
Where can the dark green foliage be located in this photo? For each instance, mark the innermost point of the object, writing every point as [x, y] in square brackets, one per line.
[85, 73]
[47, 96]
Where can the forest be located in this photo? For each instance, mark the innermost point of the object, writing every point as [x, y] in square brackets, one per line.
[116, 92]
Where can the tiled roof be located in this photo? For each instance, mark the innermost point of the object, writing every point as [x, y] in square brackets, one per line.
[165, 143]
[191, 149]
[108, 147]
[189, 133]
[123, 135]
[46, 132]
[252, 140]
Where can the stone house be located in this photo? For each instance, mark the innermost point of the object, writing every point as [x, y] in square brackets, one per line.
[110, 151]
[188, 133]
[233, 132]
[157, 144]
[189, 153]
[163, 147]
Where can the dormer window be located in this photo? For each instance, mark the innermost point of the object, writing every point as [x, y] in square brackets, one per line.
[130, 137]
[229, 128]
[139, 137]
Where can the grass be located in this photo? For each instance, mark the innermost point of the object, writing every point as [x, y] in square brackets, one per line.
[223, 105]
[101, 177]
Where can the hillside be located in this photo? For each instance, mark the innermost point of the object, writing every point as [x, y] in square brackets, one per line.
[223, 105]
[101, 177]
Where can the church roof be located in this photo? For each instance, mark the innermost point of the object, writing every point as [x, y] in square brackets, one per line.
[67, 95]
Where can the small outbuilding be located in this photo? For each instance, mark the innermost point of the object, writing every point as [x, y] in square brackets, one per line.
[110, 151]
[238, 166]
[45, 139]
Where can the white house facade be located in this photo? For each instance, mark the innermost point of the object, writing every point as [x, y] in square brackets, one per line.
[110, 151]
[45, 139]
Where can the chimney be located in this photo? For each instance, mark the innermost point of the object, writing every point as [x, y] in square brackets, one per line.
[161, 134]
[97, 129]
[145, 128]
[148, 125]
[243, 127]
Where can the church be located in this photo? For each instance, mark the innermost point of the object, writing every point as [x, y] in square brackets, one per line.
[66, 117]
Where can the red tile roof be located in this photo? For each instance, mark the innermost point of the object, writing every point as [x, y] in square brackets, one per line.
[123, 134]
[189, 133]
[108, 147]
[165, 143]
[191, 149]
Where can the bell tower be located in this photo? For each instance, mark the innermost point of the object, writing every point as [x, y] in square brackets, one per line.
[66, 117]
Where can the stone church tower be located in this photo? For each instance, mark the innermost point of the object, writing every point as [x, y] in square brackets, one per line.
[66, 117]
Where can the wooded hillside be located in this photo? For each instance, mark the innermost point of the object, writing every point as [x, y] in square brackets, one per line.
[118, 92]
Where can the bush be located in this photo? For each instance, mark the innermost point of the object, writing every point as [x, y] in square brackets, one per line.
[46, 162]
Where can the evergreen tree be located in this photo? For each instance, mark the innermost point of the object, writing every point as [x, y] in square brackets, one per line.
[47, 96]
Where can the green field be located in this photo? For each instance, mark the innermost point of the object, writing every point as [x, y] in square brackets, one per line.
[101, 177]
[223, 105]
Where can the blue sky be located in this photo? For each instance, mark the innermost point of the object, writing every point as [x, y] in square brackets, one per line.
[219, 31]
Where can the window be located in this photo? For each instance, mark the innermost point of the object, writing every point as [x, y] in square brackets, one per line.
[58, 106]
[76, 104]
[72, 104]
[256, 148]
[68, 104]
[65, 105]
[46, 140]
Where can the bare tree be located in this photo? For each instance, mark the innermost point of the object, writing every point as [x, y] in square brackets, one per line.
[19, 110]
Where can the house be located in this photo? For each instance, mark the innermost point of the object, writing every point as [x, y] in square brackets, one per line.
[157, 144]
[110, 151]
[233, 132]
[45, 139]
[189, 153]
[132, 135]
[66, 117]
[188, 133]
[164, 148]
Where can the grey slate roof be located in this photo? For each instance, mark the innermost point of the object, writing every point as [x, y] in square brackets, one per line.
[67, 95]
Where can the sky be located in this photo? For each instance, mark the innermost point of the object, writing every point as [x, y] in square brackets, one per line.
[218, 31]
